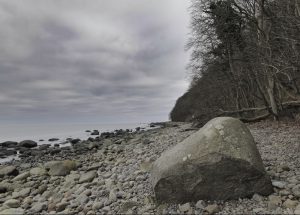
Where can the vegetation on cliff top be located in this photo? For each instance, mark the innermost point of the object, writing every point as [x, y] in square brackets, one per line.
[245, 60]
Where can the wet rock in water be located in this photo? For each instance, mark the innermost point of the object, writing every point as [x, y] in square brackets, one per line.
[152, 125]
[28, 144]
[44, 146]
[91, 139]
[53, 139]
[7, 152]
[54, 151]
[23, 150]
[9, 144]
[74, 141]
[60, 168]
[95, 132]
[8, 170]
[218, 162]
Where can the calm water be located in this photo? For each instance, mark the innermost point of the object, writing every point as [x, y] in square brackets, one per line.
[14, 132]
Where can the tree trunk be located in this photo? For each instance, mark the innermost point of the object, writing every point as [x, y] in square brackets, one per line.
[297, 8]
[270, 90]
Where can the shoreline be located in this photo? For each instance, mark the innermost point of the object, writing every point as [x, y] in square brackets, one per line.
[114, 178]
[12, 149]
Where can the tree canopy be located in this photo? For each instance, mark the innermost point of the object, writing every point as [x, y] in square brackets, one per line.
[245, 60]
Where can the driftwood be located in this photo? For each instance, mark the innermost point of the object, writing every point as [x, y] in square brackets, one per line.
[244, 110]
[285, 105]
[255, 119]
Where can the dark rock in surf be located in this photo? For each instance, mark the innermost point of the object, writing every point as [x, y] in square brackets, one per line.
[95, 132]
[9, 144]
[28, 144]
[53, 139]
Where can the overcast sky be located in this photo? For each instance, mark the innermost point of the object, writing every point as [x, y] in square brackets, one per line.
[104, 61]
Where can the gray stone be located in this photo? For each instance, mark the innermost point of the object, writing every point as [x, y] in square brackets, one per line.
[258, 210]
[200, 204]
[279, 184]
[297, 210]
[212, 209]
[87, 177]
[72, 177]
[12, 211]
[146, 166]
[22, 193]
[12, 203]
[112, 196]
[274, 202]
[60, 168]
[284, 192]
[296, 190]
[126, 206]
[106, 209]
[90, 213]
[97, 205]
[8, 170]
[258, 198]
[82, 199]
[218, 162]
[38, 207]
[290, 204]
[38, 171]
[184, 208]
[61, 206]
[22, 176]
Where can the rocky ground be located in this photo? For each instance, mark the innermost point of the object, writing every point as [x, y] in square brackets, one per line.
[111, 175]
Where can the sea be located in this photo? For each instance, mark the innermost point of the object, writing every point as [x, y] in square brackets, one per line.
[37, 132]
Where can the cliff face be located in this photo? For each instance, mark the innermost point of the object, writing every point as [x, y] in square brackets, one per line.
[182, 111]
[203, 100]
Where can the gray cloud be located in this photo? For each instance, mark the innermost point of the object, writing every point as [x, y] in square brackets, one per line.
[100, 61]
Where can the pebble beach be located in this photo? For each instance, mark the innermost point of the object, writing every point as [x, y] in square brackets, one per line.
[111, 175]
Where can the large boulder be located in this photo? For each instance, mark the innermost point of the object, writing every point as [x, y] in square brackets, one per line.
[218, 162]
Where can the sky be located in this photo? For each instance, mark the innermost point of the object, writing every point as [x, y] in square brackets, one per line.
[104, 61]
